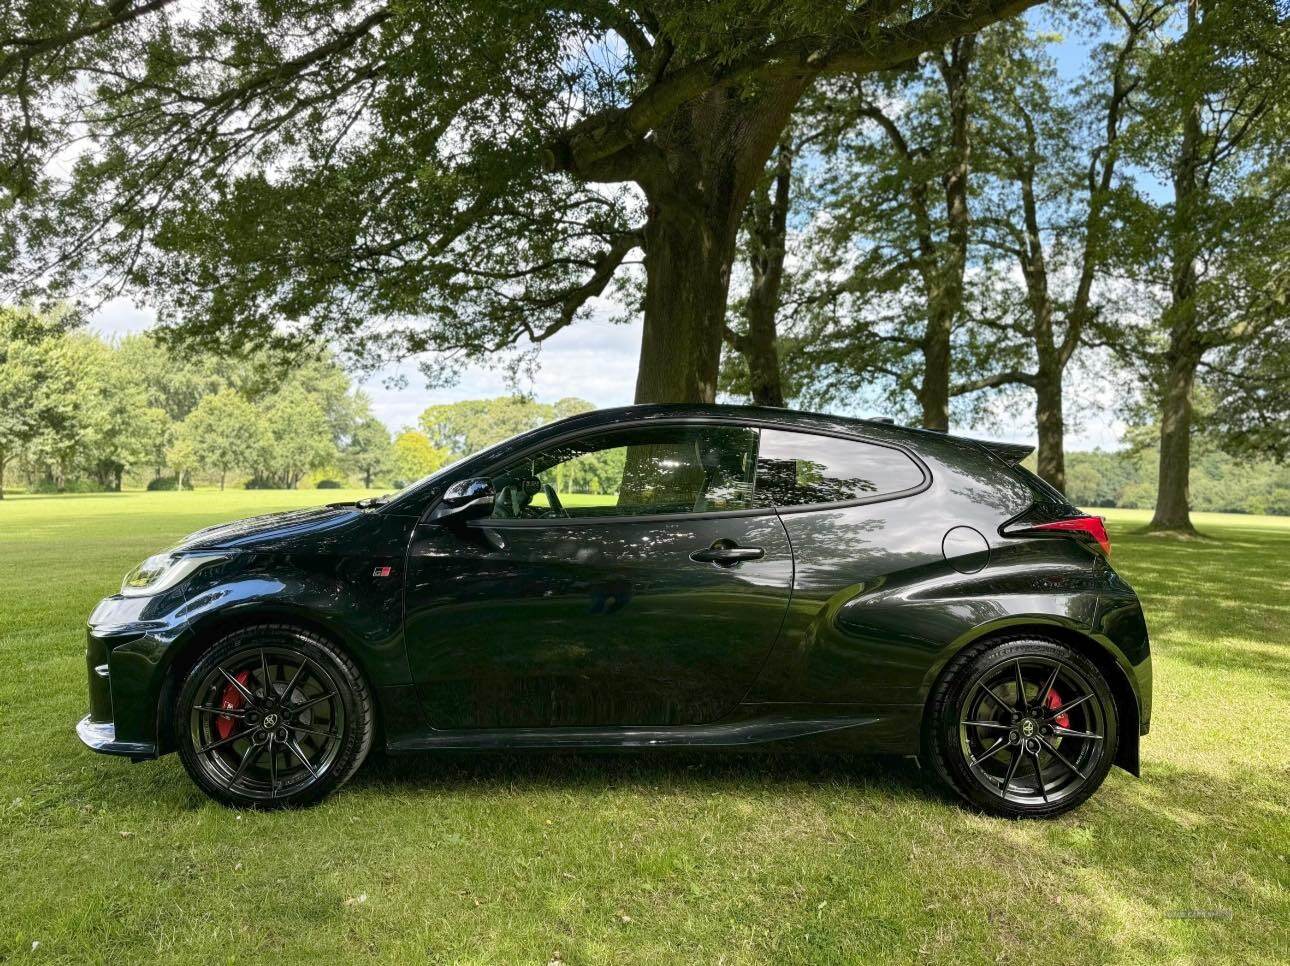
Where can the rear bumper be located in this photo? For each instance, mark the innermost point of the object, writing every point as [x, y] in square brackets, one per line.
[100, 736]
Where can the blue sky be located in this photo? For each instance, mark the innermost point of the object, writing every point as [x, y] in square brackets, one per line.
[596, 360]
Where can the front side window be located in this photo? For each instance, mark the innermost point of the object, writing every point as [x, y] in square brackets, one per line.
[635, 472]
[799, 469]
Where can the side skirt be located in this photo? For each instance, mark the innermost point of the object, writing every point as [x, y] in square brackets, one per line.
[725, 734]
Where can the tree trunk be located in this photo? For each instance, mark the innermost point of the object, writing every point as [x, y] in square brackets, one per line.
[1049, 420]
[766, 223]
[117, 474]
[710, 155]
[1173, 496]
[367, 479]
[934, 392]
[946, 296]
[222, 474]
[687, 269]
[3, 461]
[766, 386]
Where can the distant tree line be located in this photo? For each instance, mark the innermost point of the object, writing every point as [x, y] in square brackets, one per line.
[1219, 482]
[80, 412]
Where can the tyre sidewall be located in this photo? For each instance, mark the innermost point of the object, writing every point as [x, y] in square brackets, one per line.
[941, 738]
[354, 697]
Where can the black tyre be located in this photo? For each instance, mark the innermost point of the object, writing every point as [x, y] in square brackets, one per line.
[1021, 728]
[273, 716]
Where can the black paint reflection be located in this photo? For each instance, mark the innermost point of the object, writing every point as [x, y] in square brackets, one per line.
[578, 625]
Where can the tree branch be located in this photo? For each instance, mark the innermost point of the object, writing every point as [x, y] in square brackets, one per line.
[1011, 377]
[117, 15]
[586, 147]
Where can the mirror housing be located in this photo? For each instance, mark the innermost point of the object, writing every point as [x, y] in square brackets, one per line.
[464, 500]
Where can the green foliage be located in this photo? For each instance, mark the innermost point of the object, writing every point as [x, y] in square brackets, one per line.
[221, 435]
[414, 456]
[1219, 482]
[295, 437]
[76, 411]
[37, 382]
[466, 427]
[168, 483]
[368, 452]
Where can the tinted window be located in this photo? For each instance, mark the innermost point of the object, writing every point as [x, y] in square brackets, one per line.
[632, 473]
[795, 469]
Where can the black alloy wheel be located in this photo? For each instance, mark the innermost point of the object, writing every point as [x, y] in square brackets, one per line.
[273, 716]
[1023, 728]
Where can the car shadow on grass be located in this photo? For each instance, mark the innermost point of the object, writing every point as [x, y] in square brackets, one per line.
[643, 771]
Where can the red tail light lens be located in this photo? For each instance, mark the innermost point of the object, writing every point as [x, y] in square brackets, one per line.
[1090, 528]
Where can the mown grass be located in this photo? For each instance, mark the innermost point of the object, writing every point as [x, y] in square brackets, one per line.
[640, 859]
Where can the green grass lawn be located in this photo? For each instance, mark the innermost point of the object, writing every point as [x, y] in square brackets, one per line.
[637, 859]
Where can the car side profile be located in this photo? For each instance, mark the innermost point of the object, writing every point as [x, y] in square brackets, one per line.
[645, 577]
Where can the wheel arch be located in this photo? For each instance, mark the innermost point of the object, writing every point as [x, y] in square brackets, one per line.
[216, 626]
[1101, 653]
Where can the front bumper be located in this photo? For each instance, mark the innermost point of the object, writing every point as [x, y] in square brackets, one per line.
[100, 736]
[126, 643]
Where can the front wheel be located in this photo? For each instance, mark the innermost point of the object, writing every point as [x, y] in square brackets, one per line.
[273, 716]
[1024, 728]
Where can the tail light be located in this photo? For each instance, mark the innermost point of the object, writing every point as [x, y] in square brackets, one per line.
[1085, 528]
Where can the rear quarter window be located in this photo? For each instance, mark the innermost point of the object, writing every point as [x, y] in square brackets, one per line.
[802, 469]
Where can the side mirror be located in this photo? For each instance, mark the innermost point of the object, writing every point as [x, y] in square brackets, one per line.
[464, 500]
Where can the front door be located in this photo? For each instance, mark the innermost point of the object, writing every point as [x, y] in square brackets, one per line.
[632, 577]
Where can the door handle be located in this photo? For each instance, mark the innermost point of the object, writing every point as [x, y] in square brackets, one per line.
[727, 554]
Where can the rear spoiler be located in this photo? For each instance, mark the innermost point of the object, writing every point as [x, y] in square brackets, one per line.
[1010, 453]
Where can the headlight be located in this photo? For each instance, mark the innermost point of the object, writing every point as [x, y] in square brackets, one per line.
[162, 571]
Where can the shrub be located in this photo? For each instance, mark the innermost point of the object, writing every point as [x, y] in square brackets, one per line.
[168, 483]
[329, 485]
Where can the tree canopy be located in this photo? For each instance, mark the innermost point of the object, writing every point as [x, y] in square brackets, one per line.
[404, 177]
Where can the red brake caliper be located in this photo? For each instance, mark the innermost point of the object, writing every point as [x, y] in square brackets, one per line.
[1054, 702]
[231, 700]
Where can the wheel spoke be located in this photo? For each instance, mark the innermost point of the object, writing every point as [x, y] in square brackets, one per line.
[251, 754]
[993, 750]
[1021, 687]
[312, 701]
[1061, 732]
[241, 688]
[997, 700]
[295, 750]
[221, 743]
[273, 768]
[1048, 687]
[264, 675]
[1052, 749]
[237, 713]
[987, 724]
[314, 731]
[1058, 712]
[286, 694]
[1012, 770]
[1039, 776]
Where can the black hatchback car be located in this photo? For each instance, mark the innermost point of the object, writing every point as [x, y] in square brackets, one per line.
[645, 577]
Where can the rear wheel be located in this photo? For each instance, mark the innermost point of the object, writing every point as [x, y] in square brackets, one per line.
[273, 716]
[1022, 728]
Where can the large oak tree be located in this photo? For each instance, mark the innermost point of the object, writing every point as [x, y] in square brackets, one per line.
[401, 177]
